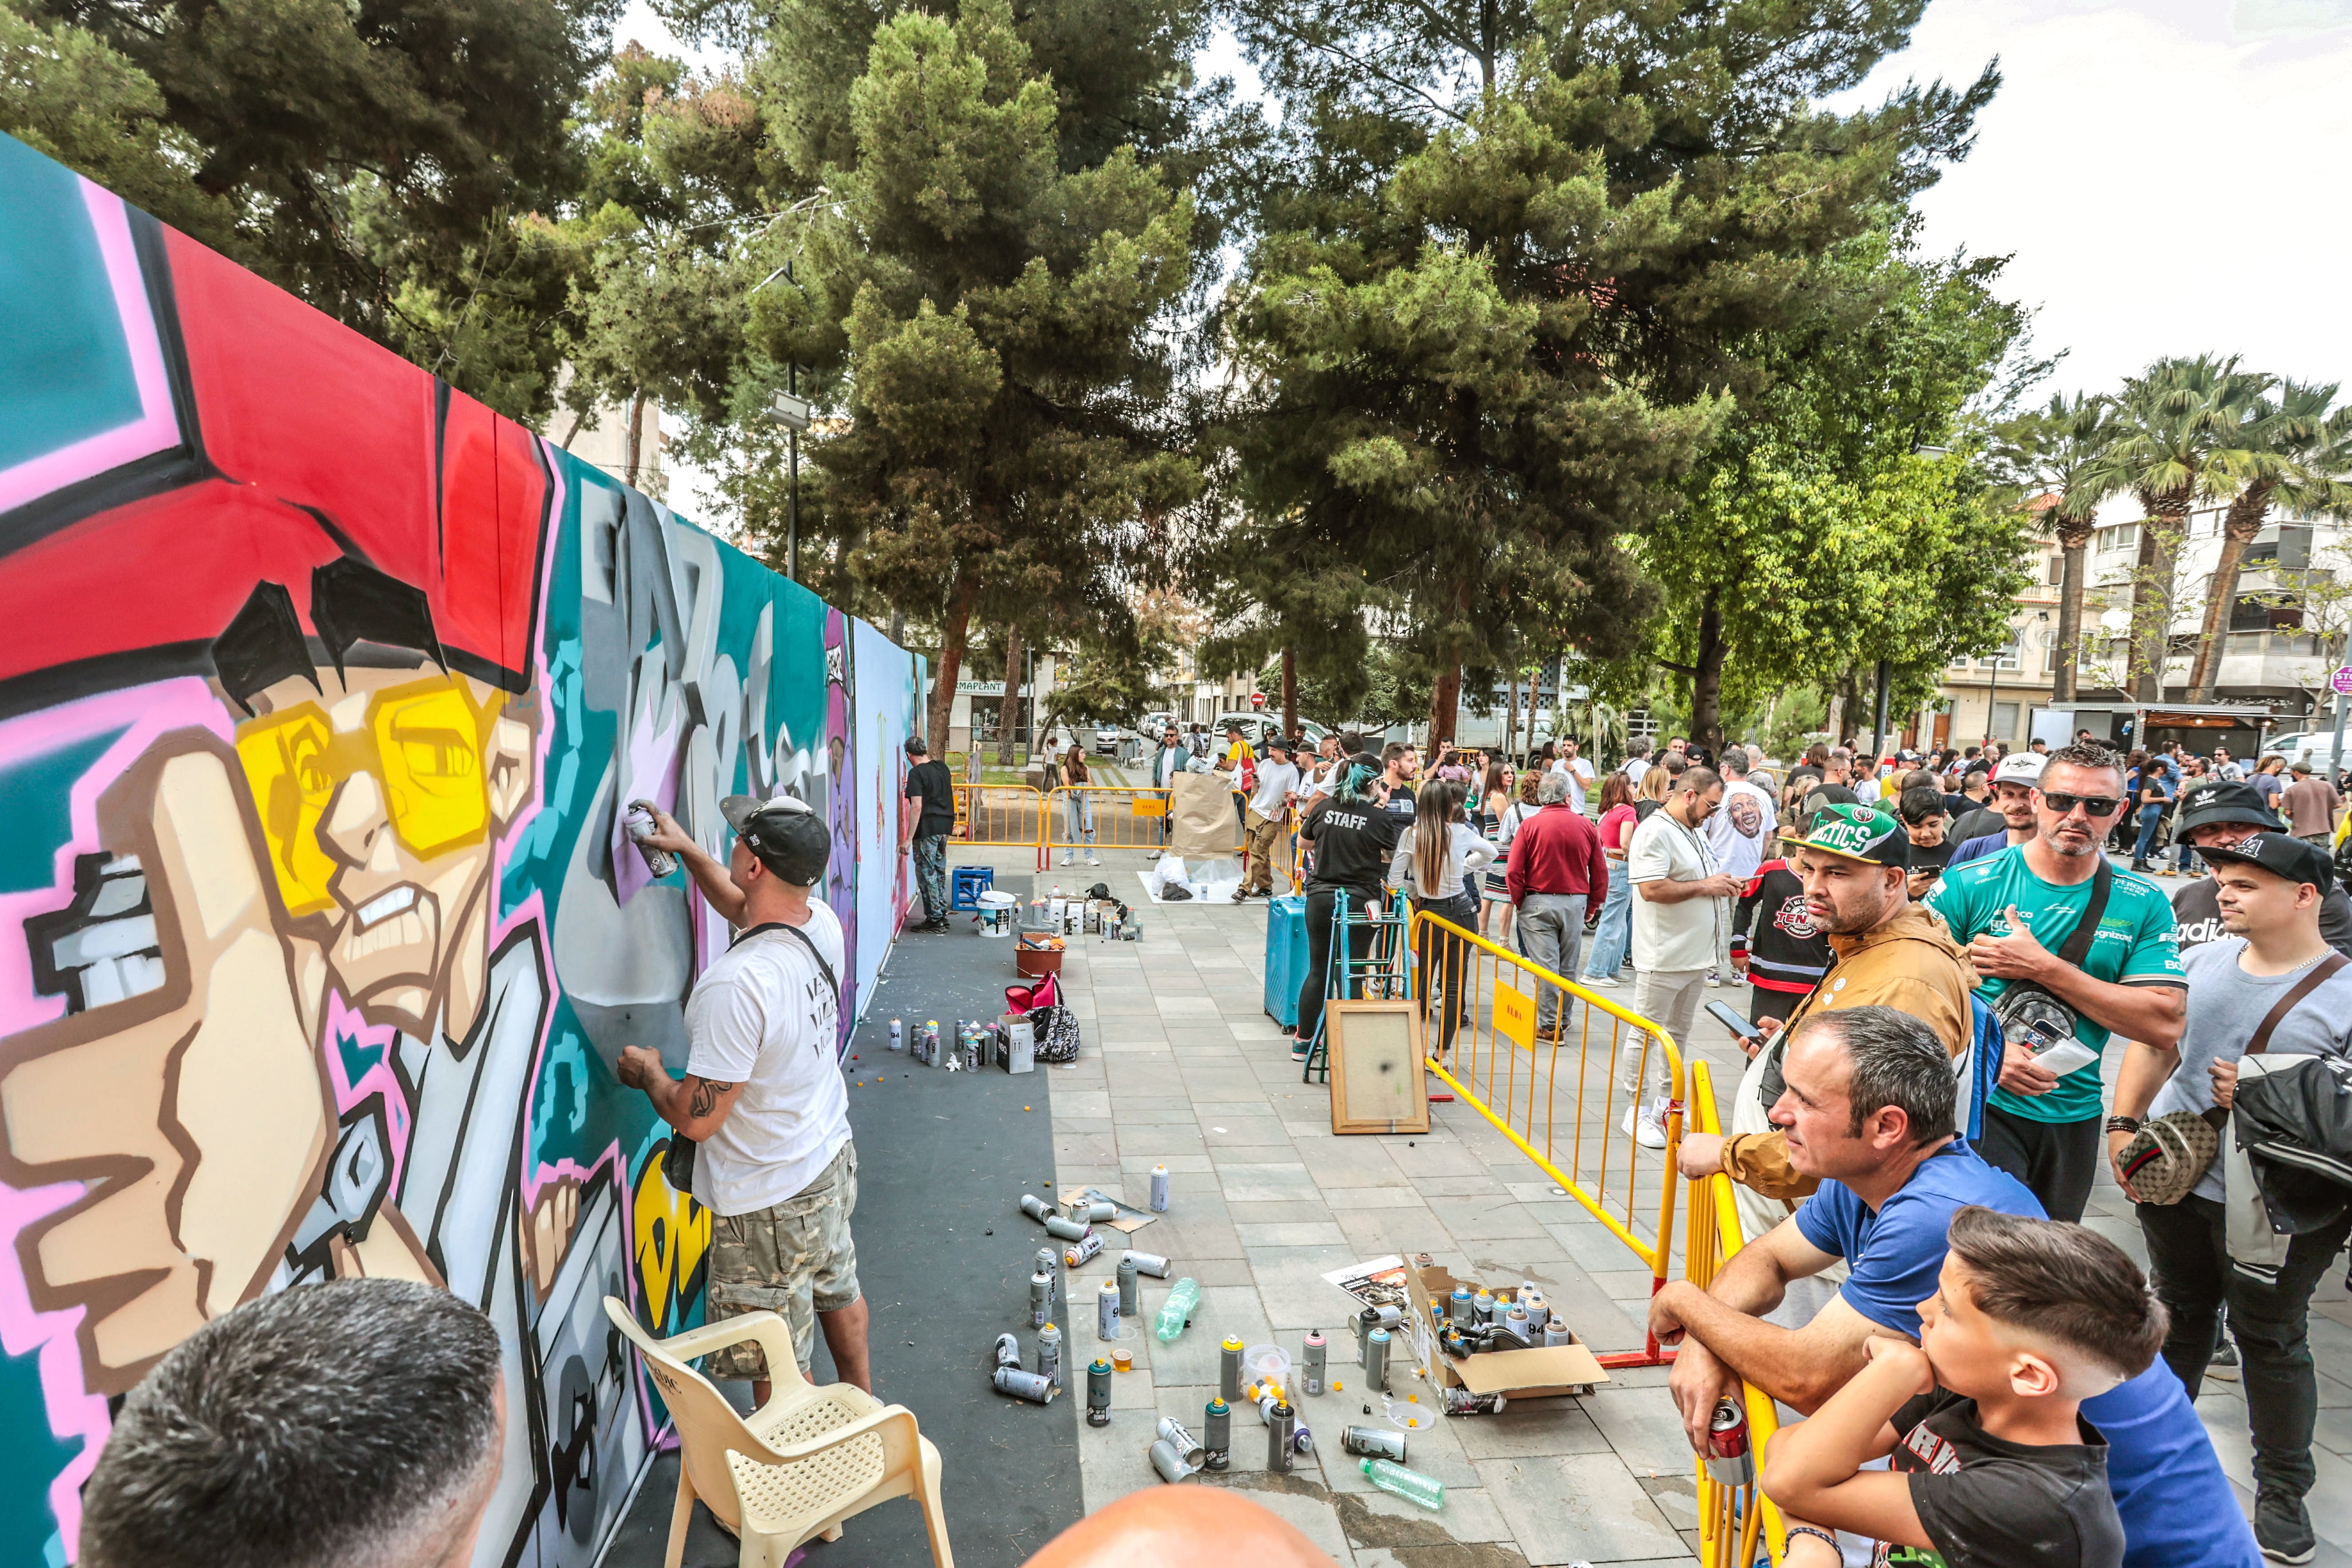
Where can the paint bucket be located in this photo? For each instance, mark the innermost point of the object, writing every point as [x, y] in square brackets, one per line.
[996, 913]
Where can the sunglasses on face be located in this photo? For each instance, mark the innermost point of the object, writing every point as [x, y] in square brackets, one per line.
[2093, 805]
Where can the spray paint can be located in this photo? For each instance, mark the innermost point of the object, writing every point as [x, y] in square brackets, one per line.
[1107, 1311]
[1168, 1462]
[1171, 1432]
[1311, 1376]
[1160, 1189]
[1217, 1434]
[1064, 1227]
[1151, 1264]
[1376, 1358]
[1035, 1207]
[659, 862]
[1515, 1321]
[1041, 1298]
[1034, 1386]
[927, 1043]
[1458, 1308]
[1101, 1210]
[1462, 1401]
[1046, 1259]
[1483, 1303]
[1080, 1251]
[1556, 1332]
[1374, 1442]
[897, 1035]
[1008, 1350]
[1130, 1294]
[1265, 1395]
[1049, 1354]
[1229, 1369]
[1728, 1459]
[1280, 1428]
[1098, 1393]
[1302, 1439]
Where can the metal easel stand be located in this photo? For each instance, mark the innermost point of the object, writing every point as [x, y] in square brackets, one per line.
[1384, 975]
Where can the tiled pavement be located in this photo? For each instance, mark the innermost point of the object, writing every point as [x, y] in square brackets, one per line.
[1182, 1068]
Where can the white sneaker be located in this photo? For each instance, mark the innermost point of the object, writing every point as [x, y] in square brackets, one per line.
[1090, 858]
[1609, 980]
[1649, 1132]
[1065, 857]
[1714, 979]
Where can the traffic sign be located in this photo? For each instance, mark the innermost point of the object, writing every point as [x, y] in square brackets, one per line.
[1257, 699]
[2342, 679]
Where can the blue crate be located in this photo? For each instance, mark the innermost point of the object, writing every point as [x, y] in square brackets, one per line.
[1285, 956]
[970, 882]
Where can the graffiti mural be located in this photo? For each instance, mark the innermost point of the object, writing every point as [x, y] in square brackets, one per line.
[323, 691]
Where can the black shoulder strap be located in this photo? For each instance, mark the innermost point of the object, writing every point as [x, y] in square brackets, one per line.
[2320, 975]
[802, 938]
[2078, 941]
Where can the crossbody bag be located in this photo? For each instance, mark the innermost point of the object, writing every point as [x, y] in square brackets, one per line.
[677, 1162]
[2028, 1012]
[2169, 1155]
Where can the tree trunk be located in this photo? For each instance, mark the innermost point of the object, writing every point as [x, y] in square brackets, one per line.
[1706, 680]
[2238, 531]
[1289, 691]
[636, 439]
[1444, 701]
[1008, 707]
[2071, 545]
[897, 626]
[1511, 712]
[2159, 540]
[953, 626]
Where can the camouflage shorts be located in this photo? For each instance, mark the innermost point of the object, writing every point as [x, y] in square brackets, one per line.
[794, 1258]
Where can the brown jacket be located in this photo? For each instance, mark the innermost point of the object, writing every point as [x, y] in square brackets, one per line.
[1910, 964]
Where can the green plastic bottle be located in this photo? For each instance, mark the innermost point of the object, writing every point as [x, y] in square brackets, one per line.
[1177, 1311]
[1410, 1484]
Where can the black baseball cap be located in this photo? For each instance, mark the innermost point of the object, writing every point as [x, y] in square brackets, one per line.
[783, 832]
[2280, 854]
[2229, 802]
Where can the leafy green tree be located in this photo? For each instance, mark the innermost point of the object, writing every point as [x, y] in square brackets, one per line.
[377, 160]
[1510, 255]
[2290, 451]
[990, 307]
[2054, 457]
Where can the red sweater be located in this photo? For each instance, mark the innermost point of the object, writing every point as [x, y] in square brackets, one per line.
[1557, 850]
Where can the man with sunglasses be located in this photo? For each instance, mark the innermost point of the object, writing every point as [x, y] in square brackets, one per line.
[2016, 911]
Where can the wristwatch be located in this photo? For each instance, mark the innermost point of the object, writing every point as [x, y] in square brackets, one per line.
[2123, 1125]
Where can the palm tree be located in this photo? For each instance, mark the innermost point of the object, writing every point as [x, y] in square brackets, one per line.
[2179, 433]
[2293, 453]
[2057, 456]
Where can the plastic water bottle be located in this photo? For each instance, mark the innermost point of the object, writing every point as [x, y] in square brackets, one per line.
[1178, 1309]
[1410, 1484]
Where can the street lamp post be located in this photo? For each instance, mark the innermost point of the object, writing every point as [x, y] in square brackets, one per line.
[791, 411]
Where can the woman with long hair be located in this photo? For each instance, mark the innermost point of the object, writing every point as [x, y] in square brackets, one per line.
[1078, 806]
[1612, 942]
[1442, 858]
[1507, 809]
[1353, 833]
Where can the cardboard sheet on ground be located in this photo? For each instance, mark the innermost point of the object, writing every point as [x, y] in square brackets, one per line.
[1519, 1373]
[1128, 1220]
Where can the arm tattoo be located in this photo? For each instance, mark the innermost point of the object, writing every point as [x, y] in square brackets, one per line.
[707, 1095]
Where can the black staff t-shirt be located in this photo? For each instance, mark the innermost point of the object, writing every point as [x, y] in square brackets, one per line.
[1986, 1502]
[931, 783]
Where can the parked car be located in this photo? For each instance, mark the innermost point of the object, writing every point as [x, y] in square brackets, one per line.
[1256, 726]
[2317, 746]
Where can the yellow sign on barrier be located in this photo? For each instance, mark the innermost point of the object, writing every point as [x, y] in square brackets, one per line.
[1515, 1014]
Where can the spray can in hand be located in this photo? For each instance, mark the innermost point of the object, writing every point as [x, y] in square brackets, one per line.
[640, 825]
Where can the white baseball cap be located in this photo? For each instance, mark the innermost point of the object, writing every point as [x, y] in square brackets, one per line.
[2019, 768]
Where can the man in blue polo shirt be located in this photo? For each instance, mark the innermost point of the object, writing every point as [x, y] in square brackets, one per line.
[1867, 1106]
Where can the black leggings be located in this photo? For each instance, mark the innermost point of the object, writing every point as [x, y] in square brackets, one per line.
[1449, 955]
[1319, 979]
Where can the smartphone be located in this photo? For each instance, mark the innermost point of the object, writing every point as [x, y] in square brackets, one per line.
[1734, 1022]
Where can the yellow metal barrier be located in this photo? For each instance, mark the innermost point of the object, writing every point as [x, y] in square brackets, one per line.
[1006, 816]
[1115, 817]
[1554, 1092]
[1729, 1518]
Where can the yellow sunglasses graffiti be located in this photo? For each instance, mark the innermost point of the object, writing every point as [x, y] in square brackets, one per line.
[422, 743]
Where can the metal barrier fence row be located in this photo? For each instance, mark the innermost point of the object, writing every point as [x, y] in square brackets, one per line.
[1087, 818]
[1552, 1085]
[1730, 1519]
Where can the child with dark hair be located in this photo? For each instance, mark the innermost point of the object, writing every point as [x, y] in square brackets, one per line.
[1993, 1463]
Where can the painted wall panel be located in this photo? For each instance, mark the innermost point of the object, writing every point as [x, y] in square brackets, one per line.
[321, 691]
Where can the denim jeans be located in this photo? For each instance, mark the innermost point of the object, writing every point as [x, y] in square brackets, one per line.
[2188, 1254]
[2149, 816]
[931, 874]
[1614, 941]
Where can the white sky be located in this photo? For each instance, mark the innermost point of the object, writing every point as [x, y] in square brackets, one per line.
[2166, 174]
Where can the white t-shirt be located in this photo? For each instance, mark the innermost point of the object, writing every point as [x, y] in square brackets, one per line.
[763, 1016]
[1738, 833]
[1672, 936]
[1582, 768]
[1633, 770]
[1275, 781]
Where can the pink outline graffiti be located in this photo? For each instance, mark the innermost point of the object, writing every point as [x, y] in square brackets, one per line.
[157, 426]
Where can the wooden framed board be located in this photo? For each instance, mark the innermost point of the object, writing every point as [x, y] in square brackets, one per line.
[1376, 1067]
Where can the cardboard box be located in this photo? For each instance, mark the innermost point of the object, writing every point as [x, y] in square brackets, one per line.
[1016, 1049]
[1519, 1373]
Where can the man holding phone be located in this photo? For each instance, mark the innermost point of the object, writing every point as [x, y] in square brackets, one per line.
[2086, 949]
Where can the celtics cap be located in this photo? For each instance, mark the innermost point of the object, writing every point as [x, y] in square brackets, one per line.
[1859, 832]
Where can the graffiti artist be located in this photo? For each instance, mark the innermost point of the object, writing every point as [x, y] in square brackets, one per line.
[762, 1097]
[384, 1395]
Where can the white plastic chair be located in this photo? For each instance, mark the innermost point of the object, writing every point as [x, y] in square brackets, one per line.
[795, 1468]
